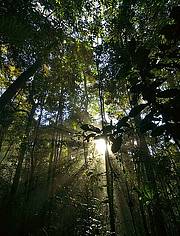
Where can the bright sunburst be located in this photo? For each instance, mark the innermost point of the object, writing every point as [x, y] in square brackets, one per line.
[100, 145]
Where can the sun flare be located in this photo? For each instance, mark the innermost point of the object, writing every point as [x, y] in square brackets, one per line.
[100, 145]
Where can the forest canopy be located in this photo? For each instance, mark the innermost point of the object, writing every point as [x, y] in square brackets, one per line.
[89, 117]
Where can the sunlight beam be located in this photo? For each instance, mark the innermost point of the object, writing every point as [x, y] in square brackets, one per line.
[100, 145]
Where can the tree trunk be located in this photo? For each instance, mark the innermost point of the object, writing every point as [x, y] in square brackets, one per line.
[18, 84]
[2, 135]
[157, 228]
[8, 205]
[109, 179]
[23, 149]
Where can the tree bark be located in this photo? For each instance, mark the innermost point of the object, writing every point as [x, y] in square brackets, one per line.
[110, 190]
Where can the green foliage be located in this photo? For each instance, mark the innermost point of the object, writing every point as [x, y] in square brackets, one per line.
[15, 30]
[146, 195]
[121, 54]
[122, 122]
[7, 116]
[116, 144]
[157, 131]
[87, 127]
[137, 109]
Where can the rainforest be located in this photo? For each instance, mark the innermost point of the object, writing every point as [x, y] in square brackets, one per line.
[89, 118]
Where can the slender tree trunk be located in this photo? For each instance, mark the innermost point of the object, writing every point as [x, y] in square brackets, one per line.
[32, 159]
[54, 159]
[9, 203]
[141, 207]
[56, 147]
[158, 224]
[7, 152]
[85, 92]
[23, 149]
[110, 190]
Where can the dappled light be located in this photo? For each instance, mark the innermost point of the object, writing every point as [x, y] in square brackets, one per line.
[89, 118]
